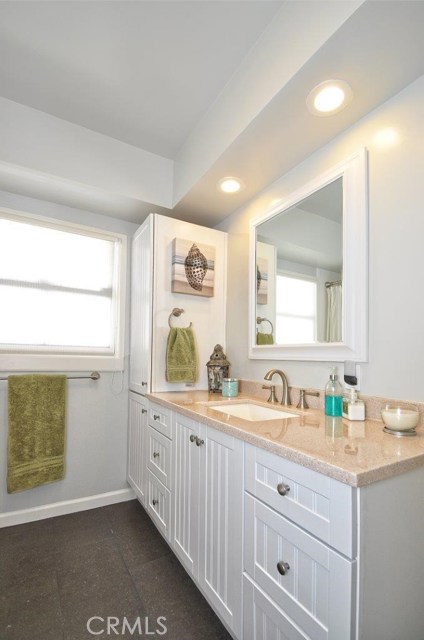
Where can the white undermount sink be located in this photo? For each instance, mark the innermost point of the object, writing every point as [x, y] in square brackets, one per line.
[251, 411]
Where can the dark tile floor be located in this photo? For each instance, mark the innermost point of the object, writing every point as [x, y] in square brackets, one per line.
[111, 562]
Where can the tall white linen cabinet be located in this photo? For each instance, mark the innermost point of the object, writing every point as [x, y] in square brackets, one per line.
[195, 500]
[152, 302]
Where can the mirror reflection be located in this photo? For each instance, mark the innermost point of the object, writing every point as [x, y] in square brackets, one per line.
[299, 267]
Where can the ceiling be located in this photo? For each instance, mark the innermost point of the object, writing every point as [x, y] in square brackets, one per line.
[185, 91]
[141, 72]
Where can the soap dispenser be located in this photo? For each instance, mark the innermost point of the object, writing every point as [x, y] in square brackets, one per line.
[353, 407]
[333, 396]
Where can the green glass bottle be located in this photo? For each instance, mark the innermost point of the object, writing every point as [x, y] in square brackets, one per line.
[333, 396]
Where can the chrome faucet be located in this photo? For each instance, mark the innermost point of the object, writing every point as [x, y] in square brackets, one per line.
[286, 395]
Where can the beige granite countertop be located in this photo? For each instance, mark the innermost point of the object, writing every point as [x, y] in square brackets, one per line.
[356, 453]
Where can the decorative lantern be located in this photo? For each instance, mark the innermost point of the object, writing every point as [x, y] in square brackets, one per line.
[218, 367]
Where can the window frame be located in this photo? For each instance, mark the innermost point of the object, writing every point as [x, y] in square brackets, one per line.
[37, 360]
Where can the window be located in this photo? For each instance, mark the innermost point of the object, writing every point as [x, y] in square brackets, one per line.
[62, 295]
[296, 310]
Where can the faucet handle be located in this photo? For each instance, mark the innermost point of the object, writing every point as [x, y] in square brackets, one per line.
[272, 396]
[302, 404]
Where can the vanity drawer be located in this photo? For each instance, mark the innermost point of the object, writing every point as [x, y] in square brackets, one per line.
[310, 582]
[321, 505]
[159, 504]
[159, 461]
[262, 620]
[160, 419]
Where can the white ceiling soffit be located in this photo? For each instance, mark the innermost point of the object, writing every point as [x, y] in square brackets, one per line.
[140, 72]
[293, 37]
[51, 188]
[379, 51]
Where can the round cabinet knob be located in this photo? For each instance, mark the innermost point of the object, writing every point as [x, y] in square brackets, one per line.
[144, 411]
[144, 384]
[199, 441]
[155, 454]
[283, 567]
[156, 417]
[283, 489]
[155, 502]
[192, 438]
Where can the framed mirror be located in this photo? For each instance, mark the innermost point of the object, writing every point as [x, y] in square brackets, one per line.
[309, 270]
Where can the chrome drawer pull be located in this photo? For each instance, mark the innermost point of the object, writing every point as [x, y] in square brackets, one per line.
[193, 438]
[155, 454]
[155, 502]
[283, 488]
[156, 417]
[199, 441]
[283, 567]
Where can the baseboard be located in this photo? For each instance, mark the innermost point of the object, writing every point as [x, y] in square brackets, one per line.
[67, 506]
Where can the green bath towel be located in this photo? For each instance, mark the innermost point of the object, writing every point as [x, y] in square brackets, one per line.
[181, 357]
[264, 338]
[36, 442]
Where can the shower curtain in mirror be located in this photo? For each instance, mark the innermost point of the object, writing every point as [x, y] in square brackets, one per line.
[334, 313]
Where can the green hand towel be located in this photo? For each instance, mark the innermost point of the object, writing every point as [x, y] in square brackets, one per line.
[36, 442]
[181, 357]
[264, 338]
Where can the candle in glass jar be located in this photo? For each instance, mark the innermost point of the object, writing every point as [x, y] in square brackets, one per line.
[230, 387]
[400, 419]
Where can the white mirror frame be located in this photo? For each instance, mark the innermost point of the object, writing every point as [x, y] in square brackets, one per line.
[354, 171]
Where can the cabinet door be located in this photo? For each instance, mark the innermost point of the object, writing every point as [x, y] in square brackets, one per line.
[321, 505]
[221, 534]
[159, 456]
[158, 501]
[141, 308]
[160, 419]
[263, 620]
[137, 452]
[185, 488]
[313, 584]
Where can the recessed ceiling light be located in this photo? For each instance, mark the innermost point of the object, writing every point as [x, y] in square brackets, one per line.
[230, 184]
[329, 97]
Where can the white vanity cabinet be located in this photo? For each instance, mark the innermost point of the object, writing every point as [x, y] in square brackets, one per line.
[158, 454]
[297, 583]
[207, 513]
[137, 441]
[150, 458]
[280, 551]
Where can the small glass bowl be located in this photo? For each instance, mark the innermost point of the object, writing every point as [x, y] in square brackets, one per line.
[400, 418]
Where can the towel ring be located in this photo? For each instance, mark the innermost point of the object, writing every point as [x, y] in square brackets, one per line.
[259, 320]
[177, 312]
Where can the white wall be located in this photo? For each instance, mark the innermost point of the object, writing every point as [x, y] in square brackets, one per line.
[96, 436]
[394, 135]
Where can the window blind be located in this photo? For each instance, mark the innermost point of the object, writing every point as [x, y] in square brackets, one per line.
[56, 289]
